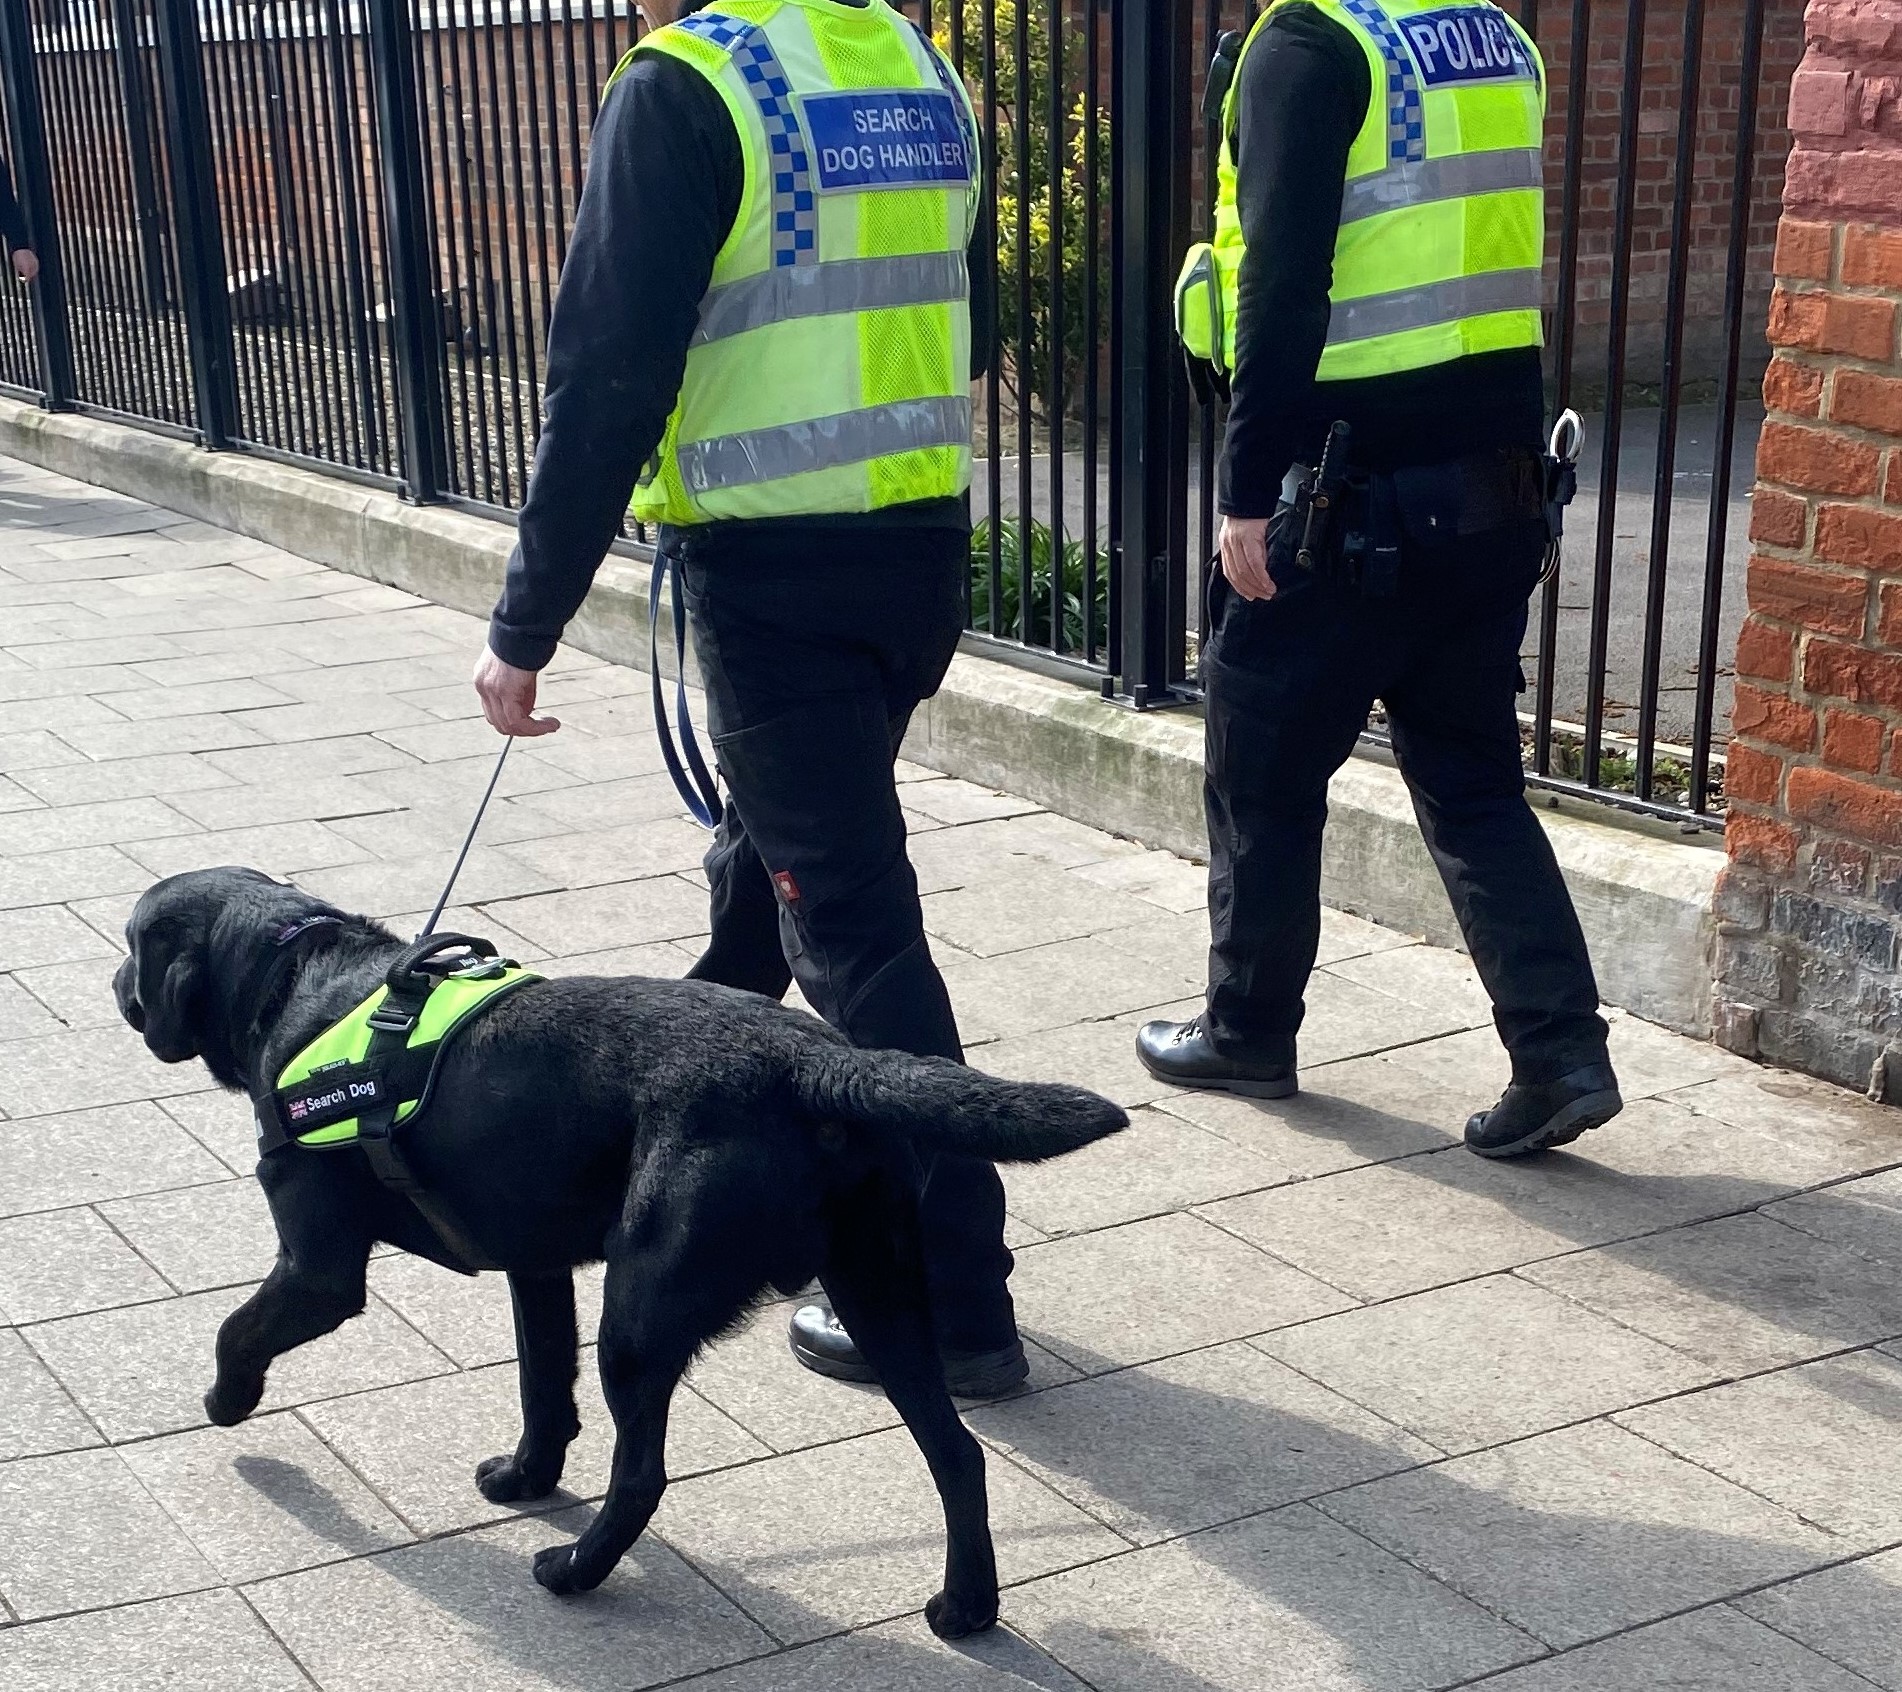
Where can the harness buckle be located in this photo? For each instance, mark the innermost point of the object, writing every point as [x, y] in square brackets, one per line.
[391, 1019]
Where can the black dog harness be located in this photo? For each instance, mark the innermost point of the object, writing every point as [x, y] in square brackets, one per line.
[373, 1071]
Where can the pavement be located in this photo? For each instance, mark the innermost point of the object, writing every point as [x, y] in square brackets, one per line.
[1320, 1402]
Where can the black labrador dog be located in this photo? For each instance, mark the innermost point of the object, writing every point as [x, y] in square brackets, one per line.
[707, 1143]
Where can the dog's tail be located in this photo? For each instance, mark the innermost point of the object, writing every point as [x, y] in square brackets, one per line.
[944, 1106]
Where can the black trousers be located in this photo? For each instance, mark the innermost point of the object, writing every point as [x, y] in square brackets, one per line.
[815, 652]
[1289, 682]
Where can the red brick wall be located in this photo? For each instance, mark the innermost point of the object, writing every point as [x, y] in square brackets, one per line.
[1716, 132]
[1810, 949]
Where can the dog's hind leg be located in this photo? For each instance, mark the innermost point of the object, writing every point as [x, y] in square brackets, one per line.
[545, 1349]
[875, 1278]
[674, 1281]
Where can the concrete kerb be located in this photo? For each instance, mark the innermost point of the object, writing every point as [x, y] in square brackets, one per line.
[1643, 895]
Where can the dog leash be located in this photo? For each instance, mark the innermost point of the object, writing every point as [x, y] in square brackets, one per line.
[701, 793]
[468, 840]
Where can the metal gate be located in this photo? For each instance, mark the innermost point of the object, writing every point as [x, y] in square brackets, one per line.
[331, 230]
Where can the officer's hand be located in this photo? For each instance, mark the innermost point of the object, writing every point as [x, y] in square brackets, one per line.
[508, 697]
[26, 264]
[1245, 556]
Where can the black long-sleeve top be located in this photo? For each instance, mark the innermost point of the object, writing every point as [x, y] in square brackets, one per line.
[665, 178]
[12, 219]
[1301, 97]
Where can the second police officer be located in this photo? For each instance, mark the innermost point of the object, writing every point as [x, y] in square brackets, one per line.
[1371, 299]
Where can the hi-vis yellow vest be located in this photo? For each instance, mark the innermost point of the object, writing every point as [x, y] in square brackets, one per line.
[830, 371]
[1442, 234]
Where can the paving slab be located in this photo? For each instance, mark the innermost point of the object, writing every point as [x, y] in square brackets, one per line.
[1712, 1650]
[207, 1642]
[48, 934]
[464, 1612]
[1851, 1614]
[815, 1541]
[22, 1016]
[901, 1654]
[37, 1415]
[78, 994]
[1172, 1447]
[66, 1262]
[223, 1123]
[264, 1498]
[76, 1157]
[80, 872]
[1864, 1214]
[1818, 1439]
[78, 1068]
[1159, 1163]
[418, 1445]
[1287, 1602]
[1135, 1293]
[201, 1237]
[164, 775]
[1053, 985]
[82, 1533]
[1470, 1365]
[1583, 1532]
[1738, 1292]
[1357, 1111]
[144, 1369]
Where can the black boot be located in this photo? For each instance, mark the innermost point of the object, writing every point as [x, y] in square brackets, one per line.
[820, 1342]
[1533, 1116]
[1182, 1054]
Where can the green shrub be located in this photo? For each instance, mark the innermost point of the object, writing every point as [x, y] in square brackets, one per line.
[1027, 181]
[1010, 581]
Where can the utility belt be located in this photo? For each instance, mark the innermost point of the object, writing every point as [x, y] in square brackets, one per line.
[365, 1080]
[1342, 522]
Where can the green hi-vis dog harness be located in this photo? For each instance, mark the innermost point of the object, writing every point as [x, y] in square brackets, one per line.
[374, 1070]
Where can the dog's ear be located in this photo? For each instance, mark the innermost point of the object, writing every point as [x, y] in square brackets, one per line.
[171, 996]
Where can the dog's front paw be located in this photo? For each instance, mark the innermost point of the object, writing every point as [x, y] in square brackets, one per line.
[505, 1480]
[228, 1405]
[953, 1618]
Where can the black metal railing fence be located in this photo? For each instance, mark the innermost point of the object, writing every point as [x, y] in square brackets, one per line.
[330, 230]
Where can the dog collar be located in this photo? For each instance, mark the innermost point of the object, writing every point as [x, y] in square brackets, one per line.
[290, 931]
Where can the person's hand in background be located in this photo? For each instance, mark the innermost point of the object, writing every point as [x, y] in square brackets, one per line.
[26, 263]
[508, 697]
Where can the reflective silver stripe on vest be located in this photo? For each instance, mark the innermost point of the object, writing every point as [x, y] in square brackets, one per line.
[1432, 304]
[837, 286]
[849, 437]
[1496, 171]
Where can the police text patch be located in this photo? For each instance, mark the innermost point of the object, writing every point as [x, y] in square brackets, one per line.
[1466, 44]
[897, 138]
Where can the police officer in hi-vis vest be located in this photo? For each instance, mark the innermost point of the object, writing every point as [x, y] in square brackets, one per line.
[764, 342]
[1371, 299]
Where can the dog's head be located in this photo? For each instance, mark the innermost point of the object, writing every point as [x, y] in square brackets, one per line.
[196, 945]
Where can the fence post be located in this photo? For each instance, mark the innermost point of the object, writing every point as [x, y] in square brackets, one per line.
[33, 178]
[1153, 45]
[420, 374]
[201, 252]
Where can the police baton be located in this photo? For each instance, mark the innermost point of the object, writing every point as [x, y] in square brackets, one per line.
[1329, 477]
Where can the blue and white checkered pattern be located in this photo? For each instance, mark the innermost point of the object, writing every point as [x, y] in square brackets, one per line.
[795, 206]
[1406, 115]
